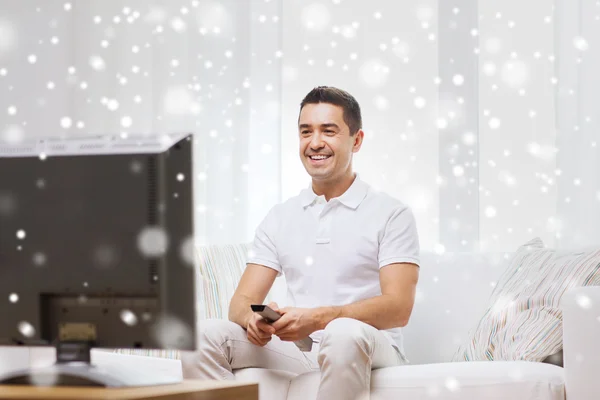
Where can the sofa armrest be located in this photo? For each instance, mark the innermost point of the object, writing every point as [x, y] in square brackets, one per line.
[581, 342]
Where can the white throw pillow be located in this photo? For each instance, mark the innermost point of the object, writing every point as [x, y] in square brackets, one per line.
[523, 320]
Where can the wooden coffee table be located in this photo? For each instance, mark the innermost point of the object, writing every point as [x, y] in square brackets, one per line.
[187, 390]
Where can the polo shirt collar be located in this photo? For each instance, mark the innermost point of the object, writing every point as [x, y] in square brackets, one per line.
[350, 198]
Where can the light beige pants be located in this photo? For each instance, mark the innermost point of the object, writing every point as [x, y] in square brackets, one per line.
[349, 350]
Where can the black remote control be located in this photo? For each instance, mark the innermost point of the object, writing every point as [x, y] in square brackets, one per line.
[271, 316]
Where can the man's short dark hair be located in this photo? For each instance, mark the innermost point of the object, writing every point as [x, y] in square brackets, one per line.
[338, 97]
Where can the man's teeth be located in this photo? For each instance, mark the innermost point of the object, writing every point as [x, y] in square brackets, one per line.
[318, 157]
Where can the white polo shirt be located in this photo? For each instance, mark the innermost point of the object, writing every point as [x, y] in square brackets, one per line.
[330, 252]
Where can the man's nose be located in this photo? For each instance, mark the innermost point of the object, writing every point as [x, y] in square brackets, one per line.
[316, 141]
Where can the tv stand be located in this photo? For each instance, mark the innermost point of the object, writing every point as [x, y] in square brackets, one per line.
[73, 367]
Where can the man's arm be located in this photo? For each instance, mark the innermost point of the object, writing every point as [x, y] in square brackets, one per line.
[254, 285]
[390, 310]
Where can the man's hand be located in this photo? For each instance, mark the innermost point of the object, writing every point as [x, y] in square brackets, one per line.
[259, 332]
[296, 323]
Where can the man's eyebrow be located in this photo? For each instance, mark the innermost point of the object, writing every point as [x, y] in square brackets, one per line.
[327, 125]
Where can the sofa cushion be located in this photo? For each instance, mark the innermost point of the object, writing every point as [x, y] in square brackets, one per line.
[498, 380]
[219, 269]
[523, 320]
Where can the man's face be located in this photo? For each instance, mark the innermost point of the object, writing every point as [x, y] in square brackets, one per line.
[326, 146]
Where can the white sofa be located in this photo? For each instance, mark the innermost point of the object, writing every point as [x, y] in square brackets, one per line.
[452, 294]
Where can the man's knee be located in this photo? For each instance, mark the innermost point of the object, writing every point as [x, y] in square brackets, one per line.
[344, 330]
[218, 330]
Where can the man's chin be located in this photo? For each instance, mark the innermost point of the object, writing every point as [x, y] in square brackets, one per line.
[319, 175]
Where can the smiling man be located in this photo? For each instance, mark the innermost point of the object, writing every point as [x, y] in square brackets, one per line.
[350, 256]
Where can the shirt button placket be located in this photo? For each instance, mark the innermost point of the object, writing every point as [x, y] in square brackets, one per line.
[324, 231]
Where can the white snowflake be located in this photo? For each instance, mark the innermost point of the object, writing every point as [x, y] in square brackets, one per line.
[348, 31]
[458, 80]
[97, 63]
[128, 317]
[507, 178]
[66, 122]
[21, 234]
[26, 329]
[489, 69]
[458, 171]
[126, 122]
[171, 333]
[494, 123]
[178, 24]
[420, 102]
[452, 384]
[469, 138]
[13, 297]
[581, 43]
[583, 301]
[152, 241]
[544, 152]
[111, 104]
[439, 249]
[13, 134]
[490, 211]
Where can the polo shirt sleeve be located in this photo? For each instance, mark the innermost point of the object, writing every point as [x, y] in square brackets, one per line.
[263, 250]
[400, 242]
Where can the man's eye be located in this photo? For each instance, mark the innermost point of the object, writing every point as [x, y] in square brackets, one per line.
[305, 132]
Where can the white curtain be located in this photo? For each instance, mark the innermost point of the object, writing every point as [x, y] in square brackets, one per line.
[578, 121]
[483, 116]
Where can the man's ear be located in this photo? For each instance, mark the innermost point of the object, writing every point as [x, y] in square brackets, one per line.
[358, 140]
